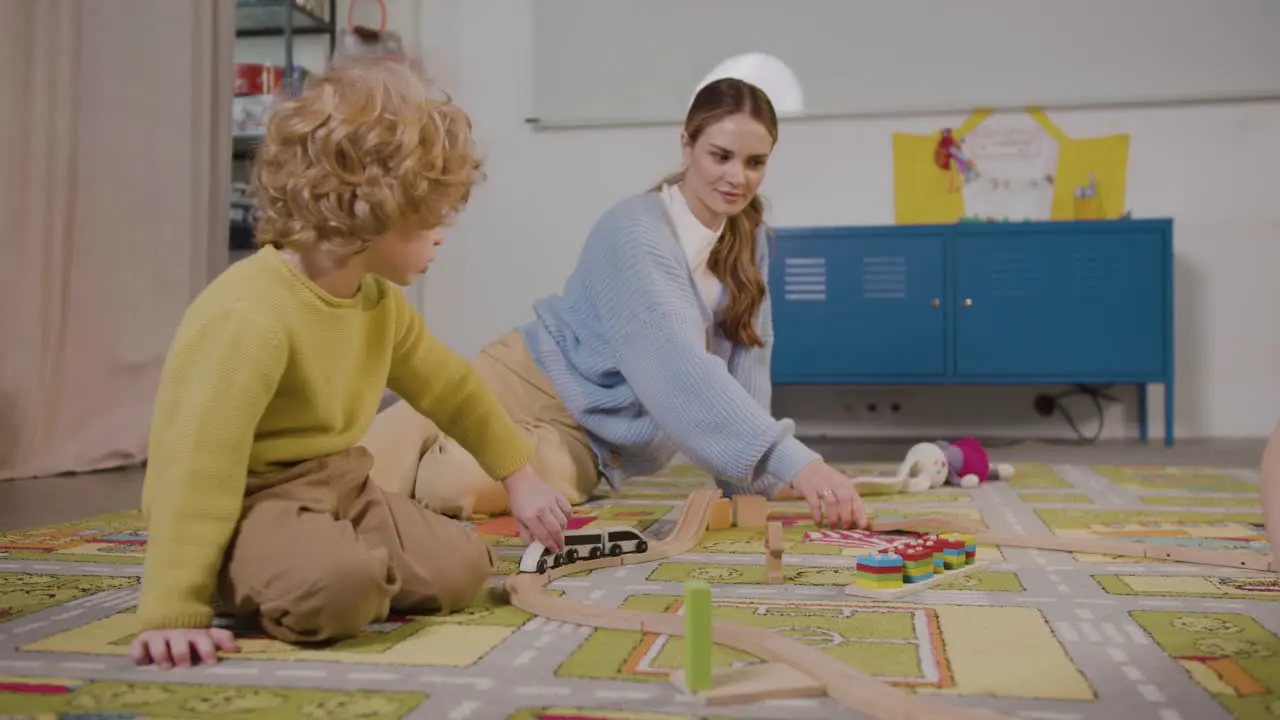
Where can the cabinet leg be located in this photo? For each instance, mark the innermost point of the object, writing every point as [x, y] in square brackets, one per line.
[1168, 414]
[1143, 427]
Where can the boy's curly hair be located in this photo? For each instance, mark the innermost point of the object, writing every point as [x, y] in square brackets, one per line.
[363, 149]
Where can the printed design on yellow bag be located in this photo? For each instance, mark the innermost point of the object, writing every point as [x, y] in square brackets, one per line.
[1007, 167]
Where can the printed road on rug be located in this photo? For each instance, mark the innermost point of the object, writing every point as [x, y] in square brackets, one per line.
[1030, 634]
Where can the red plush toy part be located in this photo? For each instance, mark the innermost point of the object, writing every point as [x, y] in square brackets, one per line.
[976, 461]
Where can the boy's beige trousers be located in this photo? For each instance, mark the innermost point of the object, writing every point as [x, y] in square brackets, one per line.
[413, 457]
[322, 551]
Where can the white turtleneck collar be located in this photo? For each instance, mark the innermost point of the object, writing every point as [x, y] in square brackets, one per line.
[697, 240]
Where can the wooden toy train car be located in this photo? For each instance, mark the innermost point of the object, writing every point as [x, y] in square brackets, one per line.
[588, 543]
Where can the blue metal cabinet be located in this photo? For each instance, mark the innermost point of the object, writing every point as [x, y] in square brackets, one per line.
[1050, 303]
[850, 301]
[1044, 303]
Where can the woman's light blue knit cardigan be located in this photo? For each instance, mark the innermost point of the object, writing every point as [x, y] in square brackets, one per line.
[626, 348]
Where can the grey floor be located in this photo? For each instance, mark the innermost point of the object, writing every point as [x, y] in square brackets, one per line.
[29, 503]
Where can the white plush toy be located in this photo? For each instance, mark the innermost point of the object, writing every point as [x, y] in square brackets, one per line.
[924, 468]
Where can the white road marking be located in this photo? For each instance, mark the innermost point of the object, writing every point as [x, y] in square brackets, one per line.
[481, 684]
[1132, 673]
[1151, 692]
[525, 657]
[300, 673]
[1067, 632]
[463, 710]
[1090, 632]
[67, 614]
[1112, 633]
[373, 676]
[1170, 714]
[622, 694]
[543, 690]
[1117, 654]
[232, 670]
[82, 665]
[791, 702]
[1136, 634]
[1084, 613]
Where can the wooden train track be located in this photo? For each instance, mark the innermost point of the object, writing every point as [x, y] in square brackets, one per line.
[1122, 548]
[854, 689]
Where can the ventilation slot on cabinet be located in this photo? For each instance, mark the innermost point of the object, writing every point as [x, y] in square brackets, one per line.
[805, 279]
[884, 278]
[1096, 277]
[1015, 276]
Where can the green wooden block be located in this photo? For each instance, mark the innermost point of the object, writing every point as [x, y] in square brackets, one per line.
[697, 635]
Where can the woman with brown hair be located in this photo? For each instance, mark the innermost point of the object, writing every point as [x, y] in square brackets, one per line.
[660, 343]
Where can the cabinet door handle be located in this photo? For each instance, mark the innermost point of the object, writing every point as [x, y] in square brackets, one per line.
[968, 302]
[935, 302]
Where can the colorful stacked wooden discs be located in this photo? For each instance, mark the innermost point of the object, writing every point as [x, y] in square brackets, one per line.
[953, 552]
[917, 563]
[970, 546]
[880, 571]
[934, 545]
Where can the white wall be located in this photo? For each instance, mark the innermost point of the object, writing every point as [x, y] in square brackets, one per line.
[1215, 169]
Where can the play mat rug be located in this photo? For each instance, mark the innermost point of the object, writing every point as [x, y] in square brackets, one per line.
[1032, 634]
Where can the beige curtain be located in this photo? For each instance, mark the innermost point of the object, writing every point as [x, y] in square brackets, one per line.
[115, 152]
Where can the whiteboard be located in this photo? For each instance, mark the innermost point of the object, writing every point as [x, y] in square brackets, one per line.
[603, 62]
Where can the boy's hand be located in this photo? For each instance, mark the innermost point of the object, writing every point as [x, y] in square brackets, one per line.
[168, 648]
[541, 511]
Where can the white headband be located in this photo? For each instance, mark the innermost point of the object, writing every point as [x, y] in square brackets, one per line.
[765, 72]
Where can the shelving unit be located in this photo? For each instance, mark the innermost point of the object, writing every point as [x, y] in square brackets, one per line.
[274, 18]
[287, 20]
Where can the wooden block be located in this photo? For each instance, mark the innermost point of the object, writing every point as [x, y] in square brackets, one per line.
[697, 635]
[752, 683]
[750, 510]
[721, 515]
[773, 548]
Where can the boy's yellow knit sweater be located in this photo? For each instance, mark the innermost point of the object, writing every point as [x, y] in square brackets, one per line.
[267, 370]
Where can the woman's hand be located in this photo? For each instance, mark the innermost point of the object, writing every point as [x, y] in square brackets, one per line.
[830, 494]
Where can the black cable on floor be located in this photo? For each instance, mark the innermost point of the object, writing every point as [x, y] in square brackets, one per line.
[1048, 405]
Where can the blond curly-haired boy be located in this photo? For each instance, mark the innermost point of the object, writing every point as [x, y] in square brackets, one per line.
[257, 495]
